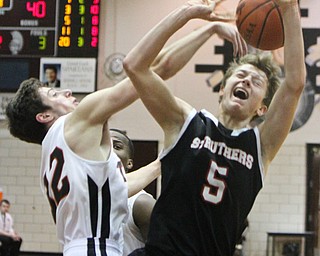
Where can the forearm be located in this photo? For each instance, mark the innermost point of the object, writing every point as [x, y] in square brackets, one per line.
[139, 179]
[175, 56]
[4, 233]
[294, 63]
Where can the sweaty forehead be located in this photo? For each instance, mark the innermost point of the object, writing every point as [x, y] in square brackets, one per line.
[44, 90]
[252, 70]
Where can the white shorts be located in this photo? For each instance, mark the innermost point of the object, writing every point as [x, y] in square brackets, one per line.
[83, 247]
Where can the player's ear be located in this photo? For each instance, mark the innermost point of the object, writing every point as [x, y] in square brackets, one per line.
[44, 117]
[262, 110]
[221, 91]
[129, 164]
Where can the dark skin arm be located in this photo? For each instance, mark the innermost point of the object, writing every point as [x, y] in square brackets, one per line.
[141, 213]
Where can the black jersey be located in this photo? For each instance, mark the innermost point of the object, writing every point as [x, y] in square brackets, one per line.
[210, 179]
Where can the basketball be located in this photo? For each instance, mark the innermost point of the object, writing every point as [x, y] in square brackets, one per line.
[260, 23]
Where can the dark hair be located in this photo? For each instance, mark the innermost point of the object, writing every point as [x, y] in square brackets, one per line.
[263, 62]
[4, 201]
[22, 110]
[129, 141]
[52, 67]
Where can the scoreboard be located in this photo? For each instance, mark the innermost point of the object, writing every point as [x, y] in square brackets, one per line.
[49, 28]
[39, 33]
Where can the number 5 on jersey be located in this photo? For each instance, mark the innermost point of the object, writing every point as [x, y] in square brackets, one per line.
[214, 184]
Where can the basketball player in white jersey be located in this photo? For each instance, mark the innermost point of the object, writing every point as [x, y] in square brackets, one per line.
[141, 204]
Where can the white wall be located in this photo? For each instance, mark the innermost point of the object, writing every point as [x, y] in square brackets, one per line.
[279, 207]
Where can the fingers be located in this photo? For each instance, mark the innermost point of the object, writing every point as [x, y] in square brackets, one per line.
[242, 45]
[239, 46]
[222, 17]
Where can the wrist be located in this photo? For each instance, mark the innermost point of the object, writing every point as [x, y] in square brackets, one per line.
[293, 4]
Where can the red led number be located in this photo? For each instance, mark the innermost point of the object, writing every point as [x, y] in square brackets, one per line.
[94, 42]
[38, 9]
[94, 9]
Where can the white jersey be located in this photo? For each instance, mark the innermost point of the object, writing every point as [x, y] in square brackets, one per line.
[88, 199]
[132, 236]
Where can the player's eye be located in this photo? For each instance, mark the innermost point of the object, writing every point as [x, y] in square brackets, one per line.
[240, 74]
[117, 146]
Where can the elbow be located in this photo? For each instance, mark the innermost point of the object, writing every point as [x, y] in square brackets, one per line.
[134, 67]
[129, 66]
[301, 80]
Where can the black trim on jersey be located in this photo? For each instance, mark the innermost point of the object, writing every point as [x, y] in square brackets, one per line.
[91, 247]
[106, 206]
[102, 243]
[93, 199]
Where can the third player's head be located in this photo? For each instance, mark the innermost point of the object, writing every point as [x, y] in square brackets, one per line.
[123, 147]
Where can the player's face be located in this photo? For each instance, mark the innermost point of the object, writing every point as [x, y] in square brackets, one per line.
[61, 101]
[121, 148]
[244, 91]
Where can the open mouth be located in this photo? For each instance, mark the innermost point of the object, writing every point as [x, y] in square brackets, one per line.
[240, 93]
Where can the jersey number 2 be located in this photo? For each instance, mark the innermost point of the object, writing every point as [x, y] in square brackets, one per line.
[214, 183]
[59, 192]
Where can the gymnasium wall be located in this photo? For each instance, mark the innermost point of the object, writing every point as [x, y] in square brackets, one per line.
[279, 207]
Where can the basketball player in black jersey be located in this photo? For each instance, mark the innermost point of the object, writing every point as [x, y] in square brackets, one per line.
[213, 166]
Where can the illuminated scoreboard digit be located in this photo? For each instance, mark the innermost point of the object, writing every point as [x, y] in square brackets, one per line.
[49, 28]
[78, 28]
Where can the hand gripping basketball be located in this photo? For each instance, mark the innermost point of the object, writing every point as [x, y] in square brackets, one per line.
[260, 23]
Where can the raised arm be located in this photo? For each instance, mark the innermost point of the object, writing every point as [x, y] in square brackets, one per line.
[174, 57]
[139, 179]
[280, 115]
[167, 111]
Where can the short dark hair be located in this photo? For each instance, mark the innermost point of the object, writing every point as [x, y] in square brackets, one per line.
[52, 67]
[22, 110]
[130, 143]
[4, 201]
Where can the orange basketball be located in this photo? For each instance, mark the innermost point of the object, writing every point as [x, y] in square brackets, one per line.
[260, 23]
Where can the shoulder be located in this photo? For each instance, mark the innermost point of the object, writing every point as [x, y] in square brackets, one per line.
[143, 203]
[143, 199]
[9, 216]
[140, 197]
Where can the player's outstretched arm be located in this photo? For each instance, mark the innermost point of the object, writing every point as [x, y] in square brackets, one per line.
[280, 115]
[139, 179]
[175, 56]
